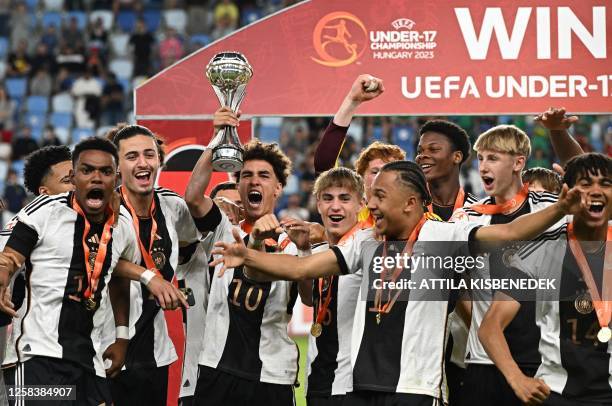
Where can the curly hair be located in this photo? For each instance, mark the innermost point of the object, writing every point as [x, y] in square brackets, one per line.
[38, 165]
[457, 136]
[123, 131]
[272, 154]
[378, 150]
[587, 165]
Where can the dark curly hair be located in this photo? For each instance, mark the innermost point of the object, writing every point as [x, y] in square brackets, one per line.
[38, 165]
[123, 131]
[271, 153]
[586, 165]
[457, 136]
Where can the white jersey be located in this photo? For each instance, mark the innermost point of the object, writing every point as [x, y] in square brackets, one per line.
[401, 350]
[56, 323]
[194, 273]
[516, 333]
[575, 364]
[246, 321]
[150, 345]
[328, 361]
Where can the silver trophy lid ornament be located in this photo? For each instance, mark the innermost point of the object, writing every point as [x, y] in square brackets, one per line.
[228, 73]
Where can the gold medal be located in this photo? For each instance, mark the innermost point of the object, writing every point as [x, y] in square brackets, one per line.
[583, 303]
[316, 329]
[90, 304]
[604, 334]
[378, 318]
[159, 259]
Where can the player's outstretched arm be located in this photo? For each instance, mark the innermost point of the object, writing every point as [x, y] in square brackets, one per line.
[364, 88]
[529, 226]
[274, 266]
[557, 123]
[167, 295]
[530, 391]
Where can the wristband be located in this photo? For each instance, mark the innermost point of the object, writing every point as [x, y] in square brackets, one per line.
[146, 277]
[122, 332]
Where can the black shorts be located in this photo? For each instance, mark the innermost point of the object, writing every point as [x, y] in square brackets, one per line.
[91, 390]
[558, 400]
[486, 385]
[148, 386]
[372, 398]
[454, 379]
[217, 388]
[186, 401]
[335, 400]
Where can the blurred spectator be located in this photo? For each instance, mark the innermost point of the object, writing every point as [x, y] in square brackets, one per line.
[70, 59]
[20, 24]
[14, 193]
[7, 113]
[223, 27]
[170, 48]
[74, 5]
[142, 43]
[63, 81]
[98, 38]
[112, 102]
[538, 159]
[197, 17]
[86, 91]
[49, 137]
[5, 15]
[294, 209]
[23, 144]
[227, 12]
[71, 34]
[42, 58]
[19, 63]
[41, 84]
[49, 38]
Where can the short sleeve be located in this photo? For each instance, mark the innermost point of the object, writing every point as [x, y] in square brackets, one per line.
[349, 253]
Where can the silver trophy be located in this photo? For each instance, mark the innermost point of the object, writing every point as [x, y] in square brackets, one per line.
[228, 73]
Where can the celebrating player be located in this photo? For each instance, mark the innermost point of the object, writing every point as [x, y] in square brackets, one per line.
[160, 219]
[575, 326]
[247, 358]
[390, 363]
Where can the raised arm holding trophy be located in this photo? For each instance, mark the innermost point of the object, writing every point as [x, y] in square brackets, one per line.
[228, 73]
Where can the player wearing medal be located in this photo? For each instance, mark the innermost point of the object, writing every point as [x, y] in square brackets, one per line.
[502, 154]
[398, 346]
[574, 344]
[67, 277]
[46, 171]
[248, 357]
[160, 219]
[339, 193]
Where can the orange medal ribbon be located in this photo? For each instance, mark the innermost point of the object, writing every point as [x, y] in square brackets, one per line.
[93, 275]
[397, 271]
[146, 253]
[321, 308]
[603, 306]
[504, 208]
[458, 201]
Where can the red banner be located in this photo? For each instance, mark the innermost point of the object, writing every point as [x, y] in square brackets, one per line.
[435, 56]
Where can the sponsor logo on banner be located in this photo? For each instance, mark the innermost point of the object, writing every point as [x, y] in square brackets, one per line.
[339, 39]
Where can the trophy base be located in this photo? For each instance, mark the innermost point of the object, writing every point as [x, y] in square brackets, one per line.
[227, 158]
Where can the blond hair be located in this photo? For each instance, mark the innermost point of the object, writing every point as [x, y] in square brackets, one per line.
[378, 150]
[504, 138]
[339, 177]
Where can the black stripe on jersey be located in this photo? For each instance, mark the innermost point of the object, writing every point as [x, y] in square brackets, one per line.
[75, 321]
[31, 208]
[537, 197]
[141, 349]
[552, 235]
[293, 295]
[166, 192]
[341, 262]
[22, 239]
[470, 199]
[210, 220]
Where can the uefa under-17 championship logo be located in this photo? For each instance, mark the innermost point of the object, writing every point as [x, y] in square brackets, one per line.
[339, 38]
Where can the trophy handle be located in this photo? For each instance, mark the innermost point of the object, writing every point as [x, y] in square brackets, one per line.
[237, 97]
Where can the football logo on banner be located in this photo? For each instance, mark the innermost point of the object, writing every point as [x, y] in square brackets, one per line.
[339, 39]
